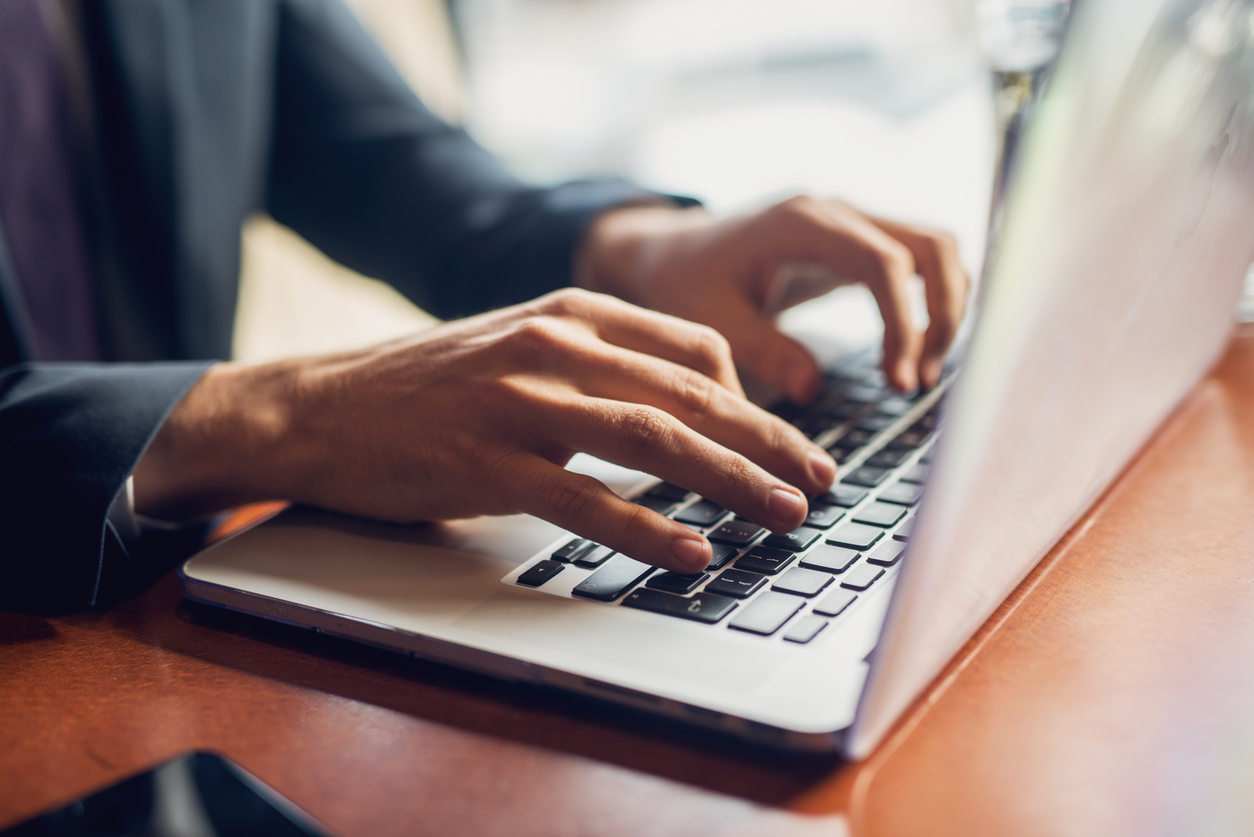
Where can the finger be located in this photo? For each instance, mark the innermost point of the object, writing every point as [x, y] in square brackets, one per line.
[848, 243]
[588, 508]
[712, 411]
[946, 284]
[677, 340]
[649, 439]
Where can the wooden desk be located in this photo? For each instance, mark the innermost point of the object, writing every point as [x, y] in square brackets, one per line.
[1112, 694]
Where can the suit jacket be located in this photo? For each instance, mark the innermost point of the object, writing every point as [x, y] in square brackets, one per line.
[205, 112]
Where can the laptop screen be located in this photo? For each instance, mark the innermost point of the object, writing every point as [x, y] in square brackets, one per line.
[1126, 236]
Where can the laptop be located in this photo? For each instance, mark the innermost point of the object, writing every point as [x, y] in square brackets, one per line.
[1125, 239]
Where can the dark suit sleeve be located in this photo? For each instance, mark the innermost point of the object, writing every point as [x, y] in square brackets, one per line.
[70, 435]
[366, 173]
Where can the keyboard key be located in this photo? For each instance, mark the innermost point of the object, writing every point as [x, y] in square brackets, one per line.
[798, 540]
[572, 550]
[722, 554]
[540, 573]
[594, 557]
[737, 584]
[669, 491]
[894, 406]
[764, 560]
[916, 474]
[902, 493]
[861, 577]
[822, 517]
[875, 423]
[805, 630]
[844, 495]
[888, 554]
[702, 513]
[675, 583]
[868, 476]
[908, 439]
[840, 453]
[904, 532]
[888, 458]
[736, 533]
[801, 582]
[842, 410]
[658, 504]
[866, 394]
[880, 514]
[612, 580]
[830, 559]
[835, 602]
[703, 607]
[854, 536]
[767, 613]
[855, 438]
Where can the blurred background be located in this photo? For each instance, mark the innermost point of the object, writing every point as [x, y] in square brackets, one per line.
[740, 103]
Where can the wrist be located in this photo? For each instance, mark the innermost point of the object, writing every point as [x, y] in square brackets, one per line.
[226, 443]
[622, 247]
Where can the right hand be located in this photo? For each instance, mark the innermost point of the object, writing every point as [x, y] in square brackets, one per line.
[480, 415]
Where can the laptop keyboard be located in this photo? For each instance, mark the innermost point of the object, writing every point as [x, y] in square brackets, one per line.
[759, 582]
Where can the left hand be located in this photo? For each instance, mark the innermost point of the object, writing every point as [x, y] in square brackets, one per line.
[725, 274]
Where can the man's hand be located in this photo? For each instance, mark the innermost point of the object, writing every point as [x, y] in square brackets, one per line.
[724, 273]
[479, 416]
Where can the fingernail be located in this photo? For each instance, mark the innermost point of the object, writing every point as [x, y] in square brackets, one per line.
[785, 504]
[690, 553]
[907, 376]
[822, 468]
[797, 381]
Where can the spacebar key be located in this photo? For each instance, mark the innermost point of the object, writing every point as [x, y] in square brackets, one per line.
[703, 607]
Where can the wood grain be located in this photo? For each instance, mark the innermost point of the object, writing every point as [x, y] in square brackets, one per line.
[1112, 694]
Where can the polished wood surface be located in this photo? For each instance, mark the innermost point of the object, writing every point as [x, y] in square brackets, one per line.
[1112, 694]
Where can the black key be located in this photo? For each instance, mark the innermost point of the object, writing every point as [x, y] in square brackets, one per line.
[736, 532]
[822, 517]
[658, 504]
[908, 439]
[830, 559]
[876, 423]
[702, 513]
[737, 584]
[612, 580]
[798, 540]
[868, 476]
[814, 425]
[540, 573]
[854, 536]
[880, 514]
[916, 474]
[861, 577]
[572, 550]
[594, 557]
[905, 531]
[841, 454]
[702, 607]
[801, 582]
[902, 493]
[764, 560]
[888, 554]
[767, 613]
[676, 583]
[722, 554]
[805, 630]
[847, 496]
[835, 602]
[842, 410]
[669, 491]
[854, 438]
[888, 458]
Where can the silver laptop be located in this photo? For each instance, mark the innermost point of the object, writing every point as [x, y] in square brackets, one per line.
[1128, 230]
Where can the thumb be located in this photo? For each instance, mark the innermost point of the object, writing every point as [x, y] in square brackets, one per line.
[770, 356]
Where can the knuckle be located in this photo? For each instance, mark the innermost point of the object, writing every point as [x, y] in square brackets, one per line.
[695, 392]
[713, 346]
[894, 257]
[647, 430]
[571, 496]
[537, 336]
[568, 301]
